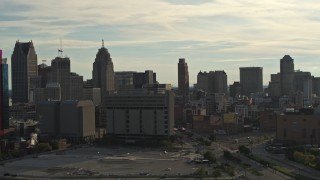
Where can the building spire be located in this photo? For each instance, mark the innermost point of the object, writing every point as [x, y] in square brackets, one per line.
[102, 43]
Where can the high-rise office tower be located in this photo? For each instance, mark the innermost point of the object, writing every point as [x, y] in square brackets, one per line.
[4, 95]
[299, 78]
[220, 82]
[103, 72]
[316, 85]
[60, 71]
[287, 75]
[212, 82]
[235, 90]
[141, 79]
[203, 81]
[251, 80]
[23, 68]
[183, 78]
[44, 72]
[274, 88]
[76, 86]
[307, 92]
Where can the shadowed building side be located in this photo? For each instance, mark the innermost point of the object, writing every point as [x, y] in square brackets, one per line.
[183, 79]
[23, 68]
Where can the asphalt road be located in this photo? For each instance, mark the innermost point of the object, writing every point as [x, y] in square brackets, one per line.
[281, 160]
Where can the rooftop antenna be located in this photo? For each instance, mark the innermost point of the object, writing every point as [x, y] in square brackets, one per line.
[60, 51]
[102, 43]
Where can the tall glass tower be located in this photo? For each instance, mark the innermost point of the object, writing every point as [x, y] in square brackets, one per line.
[4, 94]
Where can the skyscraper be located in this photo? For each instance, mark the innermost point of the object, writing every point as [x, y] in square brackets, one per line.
[251, 80]
[287, 75]
[76, 86]
[299, 78]
[44, 72]
[274, 89]
[204, 81]
[23, 68]
[212, 82]
[4, 95]
[220, 82]
[103, 72]
[235, 90]
[183, 78]
[141, 79]
[60, 71]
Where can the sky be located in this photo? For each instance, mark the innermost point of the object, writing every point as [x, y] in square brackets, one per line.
[153, 34]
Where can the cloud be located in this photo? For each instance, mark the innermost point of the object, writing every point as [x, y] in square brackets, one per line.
[218, 33]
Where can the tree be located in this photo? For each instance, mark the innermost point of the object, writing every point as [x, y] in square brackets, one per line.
[298, 156]
[54, 145]
[244, 150]
[209, 156]
[216, 173]
[226, 154]
[42, 147]
[201, 172]
[212, 137]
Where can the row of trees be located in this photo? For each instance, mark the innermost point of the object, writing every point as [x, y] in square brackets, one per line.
[309, 157]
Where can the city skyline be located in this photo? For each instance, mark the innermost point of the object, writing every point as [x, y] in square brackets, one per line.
[210, 35]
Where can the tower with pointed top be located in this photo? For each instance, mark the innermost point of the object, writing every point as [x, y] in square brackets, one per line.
[23, 68]
[103, 72]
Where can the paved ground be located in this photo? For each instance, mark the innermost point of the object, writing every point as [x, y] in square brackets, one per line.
[132, 161]
[104, 161]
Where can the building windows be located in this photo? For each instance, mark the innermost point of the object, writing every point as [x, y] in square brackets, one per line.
[284, 132]
[304, 133]
[313, 134]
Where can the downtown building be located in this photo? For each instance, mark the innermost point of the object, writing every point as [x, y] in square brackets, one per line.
[183, 79]
[71, 119]
[76, 86]
[60, 73]
[287, 76]
[23, 69]
[103, 72]
[128, 80]
[147, 113]
[301, 127]
[251, 80]
[274, 87]
[213, 82]
[4, 95]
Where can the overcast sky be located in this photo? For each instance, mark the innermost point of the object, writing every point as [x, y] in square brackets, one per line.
[153, 34]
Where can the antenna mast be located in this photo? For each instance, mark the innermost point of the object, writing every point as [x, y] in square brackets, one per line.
[102, 43]
[60, 51]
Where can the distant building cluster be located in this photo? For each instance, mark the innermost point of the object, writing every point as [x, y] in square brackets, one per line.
[57, 103]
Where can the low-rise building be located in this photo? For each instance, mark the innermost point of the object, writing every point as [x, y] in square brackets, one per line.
[139, 114]
[298, 127]
[267, 120]
[71, 119]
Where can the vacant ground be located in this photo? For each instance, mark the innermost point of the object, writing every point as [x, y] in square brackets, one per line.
[96, 161]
